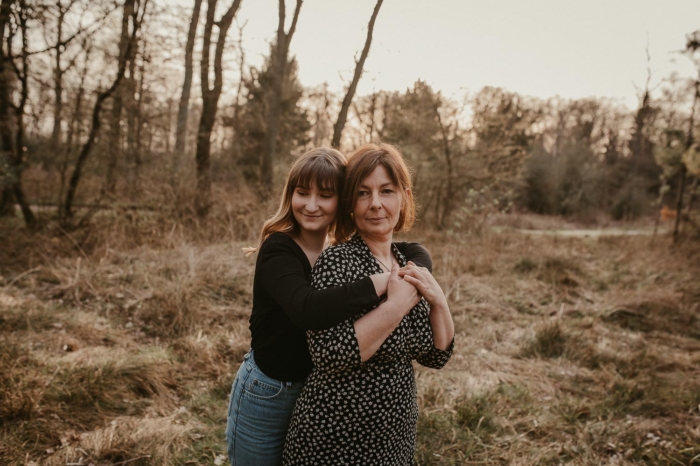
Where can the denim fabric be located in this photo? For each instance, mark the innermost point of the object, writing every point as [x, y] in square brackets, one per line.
[259, 412]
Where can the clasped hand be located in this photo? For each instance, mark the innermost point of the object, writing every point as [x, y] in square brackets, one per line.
[425, 283]
[408, 284]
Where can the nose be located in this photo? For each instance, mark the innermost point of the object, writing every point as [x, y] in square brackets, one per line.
[375, 204]
[312, 204]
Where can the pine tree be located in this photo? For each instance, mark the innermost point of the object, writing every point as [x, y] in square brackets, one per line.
[250, 126]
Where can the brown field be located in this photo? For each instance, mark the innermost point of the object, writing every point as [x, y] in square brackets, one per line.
[119, 343]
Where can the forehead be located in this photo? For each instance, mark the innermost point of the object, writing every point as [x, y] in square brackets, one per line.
[379, 176]
[312, 184]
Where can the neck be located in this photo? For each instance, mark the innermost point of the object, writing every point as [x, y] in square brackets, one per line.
[380, 247]
[312, 241]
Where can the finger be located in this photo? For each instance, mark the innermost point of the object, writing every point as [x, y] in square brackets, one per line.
[412, 273]
[394, 271]
[414, 281]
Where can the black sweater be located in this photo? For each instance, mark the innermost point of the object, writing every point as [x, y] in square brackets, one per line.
[285, 305]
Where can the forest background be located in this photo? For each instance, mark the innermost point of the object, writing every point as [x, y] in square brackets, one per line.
[128, 190]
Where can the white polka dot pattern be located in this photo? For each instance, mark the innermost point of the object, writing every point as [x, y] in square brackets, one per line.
[352, 412]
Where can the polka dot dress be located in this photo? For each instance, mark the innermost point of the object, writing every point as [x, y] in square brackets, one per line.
[352, 412]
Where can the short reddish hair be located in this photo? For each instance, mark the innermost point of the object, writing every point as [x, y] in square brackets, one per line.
[360, 165]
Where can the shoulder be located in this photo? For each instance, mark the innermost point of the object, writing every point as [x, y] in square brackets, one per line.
[333, 254]
[278, 243]
[415, 252]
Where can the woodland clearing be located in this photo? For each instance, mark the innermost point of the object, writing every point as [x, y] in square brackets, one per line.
[119, 342]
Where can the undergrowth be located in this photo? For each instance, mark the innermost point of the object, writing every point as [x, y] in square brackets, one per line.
[119, 342]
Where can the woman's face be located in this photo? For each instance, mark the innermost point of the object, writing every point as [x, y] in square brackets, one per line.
[314, 209]
[378, 206]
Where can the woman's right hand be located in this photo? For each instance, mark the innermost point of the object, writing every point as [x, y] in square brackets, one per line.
[400, 292]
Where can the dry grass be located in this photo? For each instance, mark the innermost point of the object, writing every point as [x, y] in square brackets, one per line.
[119, 342]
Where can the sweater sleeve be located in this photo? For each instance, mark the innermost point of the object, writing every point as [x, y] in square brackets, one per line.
[285, 279]
[416, 253]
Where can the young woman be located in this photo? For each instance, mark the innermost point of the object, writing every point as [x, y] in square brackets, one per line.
[285, 306]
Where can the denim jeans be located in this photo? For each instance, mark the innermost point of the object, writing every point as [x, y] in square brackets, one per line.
[259, 412]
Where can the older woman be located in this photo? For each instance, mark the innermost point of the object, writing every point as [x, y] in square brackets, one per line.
[359, 403]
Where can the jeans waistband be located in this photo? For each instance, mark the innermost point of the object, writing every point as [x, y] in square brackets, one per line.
[249, 362]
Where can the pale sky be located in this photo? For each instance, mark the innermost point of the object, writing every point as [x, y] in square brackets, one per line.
[541, 48]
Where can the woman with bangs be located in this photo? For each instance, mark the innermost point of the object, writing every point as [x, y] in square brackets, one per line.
[285, 306]
[359, 403]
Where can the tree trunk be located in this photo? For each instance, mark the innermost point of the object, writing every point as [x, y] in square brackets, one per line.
[14, 146]
[7, 150]
[67, 212]
[279, 65]
[210, 100]
[448, 199]
[359, 65]
[693, 191]
[183, 108]
[58, 81]
[73, 129]
[132, 118]
[688, 144]
[114, 145]
[679, 204]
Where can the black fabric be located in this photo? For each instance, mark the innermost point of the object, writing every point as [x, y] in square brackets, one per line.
[355, 412]
[285, 305]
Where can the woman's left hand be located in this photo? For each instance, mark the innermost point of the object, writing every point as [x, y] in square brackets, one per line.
[425, 283]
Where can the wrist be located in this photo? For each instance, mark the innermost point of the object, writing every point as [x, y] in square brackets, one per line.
[395, 307]
[380, 282]
[440, 307]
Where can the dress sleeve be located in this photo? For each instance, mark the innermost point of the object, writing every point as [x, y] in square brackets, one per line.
[420, 339]
[285, 279]
[335, 348]
[416, 253]
[436, 358]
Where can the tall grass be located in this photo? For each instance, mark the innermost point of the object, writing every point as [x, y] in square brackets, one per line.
[119, 342]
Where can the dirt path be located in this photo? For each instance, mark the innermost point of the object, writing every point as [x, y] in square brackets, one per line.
[584, 233]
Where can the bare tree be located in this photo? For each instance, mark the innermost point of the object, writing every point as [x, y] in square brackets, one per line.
[279, 67]
[66, 213]
[74, 126]
[682, 172]
[13, 145]
[183, 108]
[114, 146]
[60, 69]
[691, 47]
[448, 199]
[210, 101]
[359, 65]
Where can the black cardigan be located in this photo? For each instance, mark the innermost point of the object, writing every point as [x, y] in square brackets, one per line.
[285, 305]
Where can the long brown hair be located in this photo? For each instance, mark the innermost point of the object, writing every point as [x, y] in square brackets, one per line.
[324, 167]
[360, 164]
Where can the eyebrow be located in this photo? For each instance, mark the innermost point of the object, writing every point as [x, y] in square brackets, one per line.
[390, 183]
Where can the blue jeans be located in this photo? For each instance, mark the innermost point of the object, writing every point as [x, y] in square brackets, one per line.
[258, 416]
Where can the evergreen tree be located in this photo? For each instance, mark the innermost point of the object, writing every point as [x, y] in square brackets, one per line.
[251, 126]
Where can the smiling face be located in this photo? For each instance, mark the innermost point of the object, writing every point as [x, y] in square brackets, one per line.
[314, 209]
[378, 206]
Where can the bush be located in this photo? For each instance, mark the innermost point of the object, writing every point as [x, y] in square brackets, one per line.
[567, 183]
